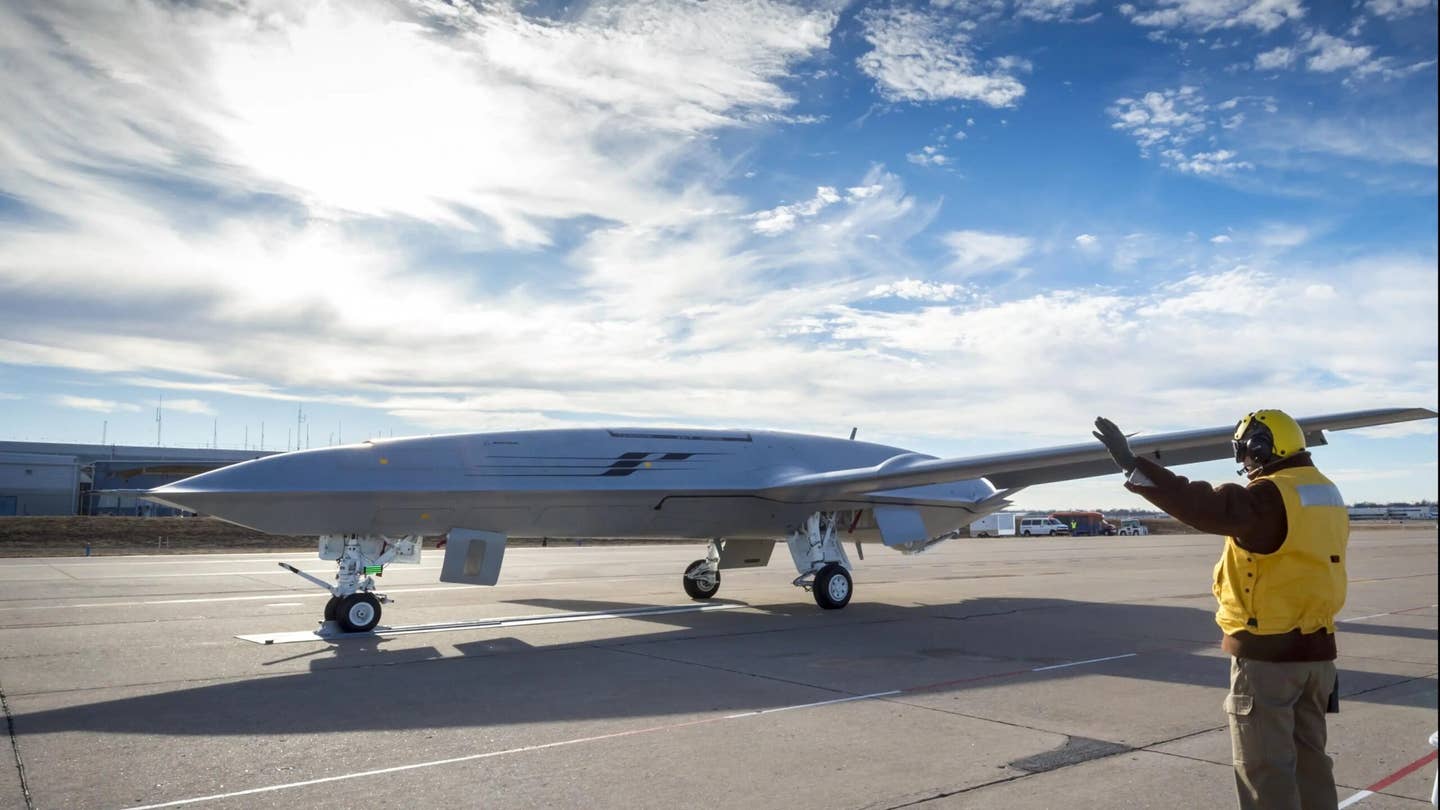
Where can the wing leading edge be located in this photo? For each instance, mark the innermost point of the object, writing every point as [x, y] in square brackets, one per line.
[1009, 471]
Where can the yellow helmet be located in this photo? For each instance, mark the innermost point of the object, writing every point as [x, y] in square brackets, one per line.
[1267, 436]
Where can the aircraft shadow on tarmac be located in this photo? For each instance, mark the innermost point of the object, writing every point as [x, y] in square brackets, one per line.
[726, 660]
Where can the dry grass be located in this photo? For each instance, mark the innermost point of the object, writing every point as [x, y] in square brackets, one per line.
[72, 536]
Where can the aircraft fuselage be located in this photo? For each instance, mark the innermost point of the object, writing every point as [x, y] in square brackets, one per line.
[631, 482]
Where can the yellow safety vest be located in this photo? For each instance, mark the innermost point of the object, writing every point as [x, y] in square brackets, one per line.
[1300, 586]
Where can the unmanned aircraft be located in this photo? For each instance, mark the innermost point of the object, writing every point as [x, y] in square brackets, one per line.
[371, 504]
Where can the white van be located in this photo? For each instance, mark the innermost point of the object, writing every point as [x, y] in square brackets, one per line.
[1047, 526]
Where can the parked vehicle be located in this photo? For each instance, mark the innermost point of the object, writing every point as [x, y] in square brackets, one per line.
[1131, 526]
[1085, 523]
[1042, 526]
[998, 524]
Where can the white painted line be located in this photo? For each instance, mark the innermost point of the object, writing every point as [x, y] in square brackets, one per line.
[1088, 661]
[481, 624]
[285, 604]
[1358, 797]
[1378, 615]
[492, 754]
[758, 712]
[1362, 618]
[265, 572]
[1391, 779]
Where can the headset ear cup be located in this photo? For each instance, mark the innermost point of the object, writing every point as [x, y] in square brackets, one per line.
[1262, 448]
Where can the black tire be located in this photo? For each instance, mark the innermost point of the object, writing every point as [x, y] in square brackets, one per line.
[696, 589]
[332, 608]
[833, 587]
[358, 613]
[1025, 534]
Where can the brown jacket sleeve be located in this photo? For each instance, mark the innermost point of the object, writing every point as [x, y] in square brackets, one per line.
[1254, 515]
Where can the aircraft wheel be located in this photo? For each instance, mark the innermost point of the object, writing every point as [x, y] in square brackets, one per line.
[358, 613]
[696, 589]
[332, 607]
[832, 587]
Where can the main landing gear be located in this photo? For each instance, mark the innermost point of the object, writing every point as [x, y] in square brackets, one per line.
[819, 558]
[354, 606]
[702, 577]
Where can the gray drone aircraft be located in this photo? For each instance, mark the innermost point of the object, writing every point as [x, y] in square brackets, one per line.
[373, 503]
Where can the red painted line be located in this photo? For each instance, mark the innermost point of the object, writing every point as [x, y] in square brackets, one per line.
[1402, 773]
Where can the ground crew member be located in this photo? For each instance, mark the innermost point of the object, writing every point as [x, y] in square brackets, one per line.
[1279, 584]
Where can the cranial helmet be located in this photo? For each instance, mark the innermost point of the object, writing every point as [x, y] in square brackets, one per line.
[1267, 436]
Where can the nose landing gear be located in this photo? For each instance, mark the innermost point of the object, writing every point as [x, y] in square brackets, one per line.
[353, 605]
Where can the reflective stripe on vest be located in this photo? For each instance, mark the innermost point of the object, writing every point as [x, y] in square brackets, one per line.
[1300, 586]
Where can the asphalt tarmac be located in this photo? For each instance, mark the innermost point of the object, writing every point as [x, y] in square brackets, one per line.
[1012, 673]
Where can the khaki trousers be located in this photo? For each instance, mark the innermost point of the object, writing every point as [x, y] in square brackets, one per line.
[1277, 734]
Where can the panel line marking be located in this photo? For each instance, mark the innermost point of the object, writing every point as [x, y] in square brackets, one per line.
[1389, 780]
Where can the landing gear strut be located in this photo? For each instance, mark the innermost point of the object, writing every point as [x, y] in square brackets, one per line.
[353, 605]
[702, 577]
[820, 559]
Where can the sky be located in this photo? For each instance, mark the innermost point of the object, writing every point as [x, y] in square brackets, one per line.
[961, 227]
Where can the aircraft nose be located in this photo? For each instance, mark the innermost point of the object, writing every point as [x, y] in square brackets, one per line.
[209, 491]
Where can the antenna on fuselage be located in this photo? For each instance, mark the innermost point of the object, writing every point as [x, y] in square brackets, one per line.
[853, 431]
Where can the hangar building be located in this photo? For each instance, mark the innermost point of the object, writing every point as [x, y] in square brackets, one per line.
[44, 478]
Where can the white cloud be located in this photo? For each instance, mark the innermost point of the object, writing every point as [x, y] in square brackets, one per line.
[782, 218]
[665, 304]
[189, 406]
[1053, 10]
[1093, 337]
[1394, 9]
[1324, 53]
[461, 116]
[1206, 15]
[910, 289]
[979, 251]
[1220, 161]
[920, 56]
[1167, 118]
[1220, 239]
[929, 156]
[1275, 59]
[1329, 54]
[1281, 235]
[1086, 240]
[94, 404]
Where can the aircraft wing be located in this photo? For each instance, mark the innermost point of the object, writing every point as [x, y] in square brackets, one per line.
[1047, 465]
